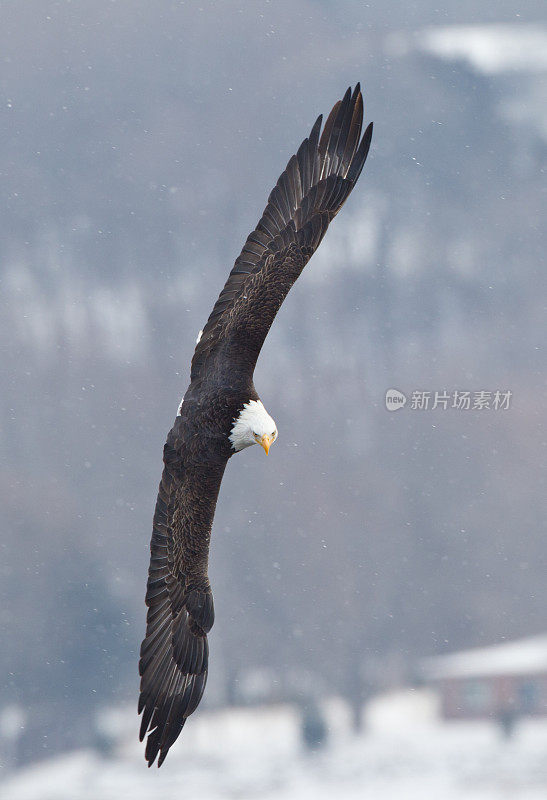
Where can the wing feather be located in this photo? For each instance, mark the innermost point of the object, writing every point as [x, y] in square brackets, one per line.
[174, 654]
[317, 180]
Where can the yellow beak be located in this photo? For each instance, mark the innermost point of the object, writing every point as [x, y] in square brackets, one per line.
[266, 442]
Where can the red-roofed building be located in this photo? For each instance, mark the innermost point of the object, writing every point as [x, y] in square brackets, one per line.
[502, 682]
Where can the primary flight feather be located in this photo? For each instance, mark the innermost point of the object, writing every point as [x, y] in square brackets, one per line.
[221, 414]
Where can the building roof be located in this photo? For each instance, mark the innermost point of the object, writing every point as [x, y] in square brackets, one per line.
[521, 657]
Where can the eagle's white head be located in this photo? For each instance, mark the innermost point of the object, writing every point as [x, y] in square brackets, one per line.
[253, 426]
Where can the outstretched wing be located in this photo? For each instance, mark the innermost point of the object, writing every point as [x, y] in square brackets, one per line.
[309, 193]
[174, 653]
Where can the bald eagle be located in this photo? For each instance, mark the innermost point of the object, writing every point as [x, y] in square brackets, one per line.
[221, 414]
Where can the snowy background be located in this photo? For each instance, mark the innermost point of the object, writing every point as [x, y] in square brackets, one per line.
[257, 753]
[139, 143]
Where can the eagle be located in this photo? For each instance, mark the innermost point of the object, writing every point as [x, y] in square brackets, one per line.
[221, 414]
